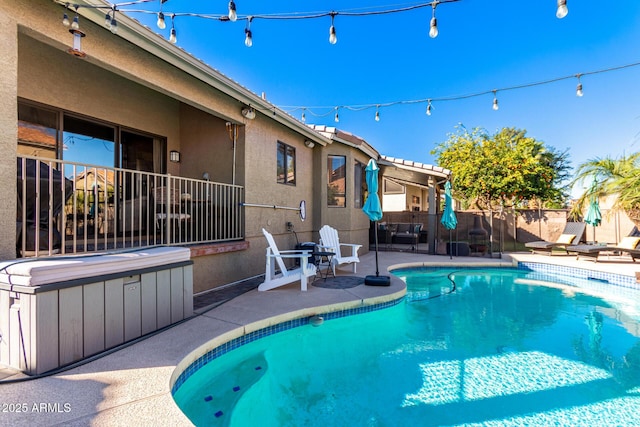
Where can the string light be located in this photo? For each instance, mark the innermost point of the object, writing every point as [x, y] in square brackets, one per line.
[429, 101]
[336, 118]
[303, 118]
[107, 19]
[161, 24]
[333, 38]
[579, 86]
[113, 25]
[562, 10]
[233, 16]
[76, 21]
[495, 101]
[377, 118]
[173, 37]
[248, 39]
[433, 25]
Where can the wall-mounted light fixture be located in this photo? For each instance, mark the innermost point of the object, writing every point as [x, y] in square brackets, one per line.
[249, 113]
[309, 143]
[76, 50]
[174, 156]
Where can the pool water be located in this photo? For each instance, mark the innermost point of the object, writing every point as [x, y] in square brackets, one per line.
[503, 348]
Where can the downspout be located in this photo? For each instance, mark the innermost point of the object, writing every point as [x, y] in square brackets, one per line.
[235, 140]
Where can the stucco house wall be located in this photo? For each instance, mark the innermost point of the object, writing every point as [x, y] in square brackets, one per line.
[138, 87]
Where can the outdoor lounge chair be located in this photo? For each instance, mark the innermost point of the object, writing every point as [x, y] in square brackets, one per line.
[329, 241]
[286, 276]
[629, 245]
[571, 235]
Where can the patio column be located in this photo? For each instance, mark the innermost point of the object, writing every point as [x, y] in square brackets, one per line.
[8, 133]
[433, 218]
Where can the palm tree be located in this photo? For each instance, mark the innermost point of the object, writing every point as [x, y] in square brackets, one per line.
[618, 177]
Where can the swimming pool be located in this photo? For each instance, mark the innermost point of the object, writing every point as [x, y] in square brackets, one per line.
[505, 347]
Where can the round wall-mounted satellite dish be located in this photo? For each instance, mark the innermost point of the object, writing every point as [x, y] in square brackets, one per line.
[303, 210]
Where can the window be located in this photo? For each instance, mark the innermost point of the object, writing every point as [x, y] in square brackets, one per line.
[359, 185]
[336, 181]
[286, 164]
[392, 187]
[49, 132]
[37, 131]
[88, 142]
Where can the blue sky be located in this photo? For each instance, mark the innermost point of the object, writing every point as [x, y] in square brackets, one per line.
[481, 46]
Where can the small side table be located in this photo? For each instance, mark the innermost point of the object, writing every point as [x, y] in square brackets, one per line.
[321, 258]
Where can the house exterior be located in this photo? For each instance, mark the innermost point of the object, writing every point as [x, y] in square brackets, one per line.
[164, 149]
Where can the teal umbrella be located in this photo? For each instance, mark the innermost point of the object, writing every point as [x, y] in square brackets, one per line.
[594, 217]
[373, 210]
[372, 206]
[449, 219]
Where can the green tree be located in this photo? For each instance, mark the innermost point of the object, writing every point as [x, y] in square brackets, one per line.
[618, 177]
[504, 169]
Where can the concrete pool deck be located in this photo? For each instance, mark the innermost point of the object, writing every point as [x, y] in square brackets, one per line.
[131, 386]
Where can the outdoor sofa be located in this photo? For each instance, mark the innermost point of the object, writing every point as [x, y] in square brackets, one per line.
[400, 233]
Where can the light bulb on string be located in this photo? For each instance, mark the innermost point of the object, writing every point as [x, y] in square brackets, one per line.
[303, 118]
[433, 25]
[114, 24]
[233, 15]
[75, 24]
[107, 20]
[160, 23]
[429, 107]
[495, 101]
[579, 87]
[173, 37]
[333, 38]
[377, 113]
[65, 20]
[562, 10]
[248, 35]
[336, 118]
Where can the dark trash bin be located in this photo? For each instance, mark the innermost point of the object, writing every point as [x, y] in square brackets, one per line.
[306, 246]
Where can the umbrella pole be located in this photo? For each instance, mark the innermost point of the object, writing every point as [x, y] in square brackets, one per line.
[450, 246]
[377, 280]
[375, 233]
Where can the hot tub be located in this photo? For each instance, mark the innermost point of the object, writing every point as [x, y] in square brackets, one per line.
[59, 310]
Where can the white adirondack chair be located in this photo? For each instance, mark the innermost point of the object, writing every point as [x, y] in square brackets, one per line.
[286, 276]
[329, 241]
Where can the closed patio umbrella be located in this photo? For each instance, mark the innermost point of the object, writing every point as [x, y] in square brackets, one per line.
[373, 210]
[449, 219]
[594, 217]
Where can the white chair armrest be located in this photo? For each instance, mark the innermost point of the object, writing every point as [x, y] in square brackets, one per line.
[292, 254]
[354, 248]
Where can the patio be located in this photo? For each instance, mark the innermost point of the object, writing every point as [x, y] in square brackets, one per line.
[132, 384]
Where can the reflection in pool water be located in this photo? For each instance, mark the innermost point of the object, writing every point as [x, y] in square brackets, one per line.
[502, 349]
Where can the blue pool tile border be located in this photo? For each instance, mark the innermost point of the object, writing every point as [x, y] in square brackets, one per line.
[270, 330]
[581, 273]
[543, 268]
